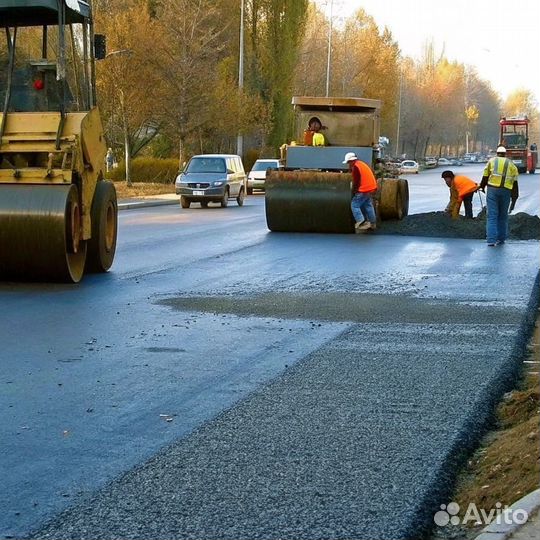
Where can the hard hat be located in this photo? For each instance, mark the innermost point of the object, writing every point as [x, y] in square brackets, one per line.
[349, 156]
[501, 150]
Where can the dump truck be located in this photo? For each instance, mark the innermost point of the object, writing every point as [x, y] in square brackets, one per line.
[313, 191]
[58, 215]
[514, 136]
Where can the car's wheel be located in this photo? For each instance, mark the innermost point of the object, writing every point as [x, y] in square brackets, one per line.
[184, 202]
[225, 199]
[204, 204]
[241, 197]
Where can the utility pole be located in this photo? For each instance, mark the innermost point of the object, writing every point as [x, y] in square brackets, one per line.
[399, 108]
[329, 50]
[240, 137]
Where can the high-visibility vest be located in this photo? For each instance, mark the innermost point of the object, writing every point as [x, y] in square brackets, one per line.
[308, 137]
[464, 186]
[318, 139]
[367, 178]
[502, 172]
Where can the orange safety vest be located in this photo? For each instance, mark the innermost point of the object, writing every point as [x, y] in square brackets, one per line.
[308, 137]
[464, 186]
[367, 178]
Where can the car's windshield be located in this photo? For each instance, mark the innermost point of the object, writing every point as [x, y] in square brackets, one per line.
[408, 163]
[206, 165]
[264, 165]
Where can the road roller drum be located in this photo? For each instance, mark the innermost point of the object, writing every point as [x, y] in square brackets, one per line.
[316, 201]
[40, 233]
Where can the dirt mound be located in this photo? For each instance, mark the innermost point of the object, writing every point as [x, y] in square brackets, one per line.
[439, 224]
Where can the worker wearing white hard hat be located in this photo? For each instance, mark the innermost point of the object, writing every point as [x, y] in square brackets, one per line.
[364, 187]
[501, 179]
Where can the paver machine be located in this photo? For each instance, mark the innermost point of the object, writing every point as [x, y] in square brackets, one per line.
[312, 193]
[58, 215]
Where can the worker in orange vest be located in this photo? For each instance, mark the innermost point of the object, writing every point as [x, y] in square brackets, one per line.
[364, 187]
[462, 189]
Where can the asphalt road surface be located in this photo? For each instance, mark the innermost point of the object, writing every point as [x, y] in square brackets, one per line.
[226, 382]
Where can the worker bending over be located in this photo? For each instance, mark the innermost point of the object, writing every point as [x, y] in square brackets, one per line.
[501, 178]
[364, 187]
[462, 189]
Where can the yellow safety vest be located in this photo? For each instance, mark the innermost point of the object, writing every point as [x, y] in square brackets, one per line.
[318, 139]
[502, 172]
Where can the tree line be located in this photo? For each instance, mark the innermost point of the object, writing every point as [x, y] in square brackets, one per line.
[169, 86]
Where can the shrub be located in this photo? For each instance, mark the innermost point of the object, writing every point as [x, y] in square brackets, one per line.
[146, 169]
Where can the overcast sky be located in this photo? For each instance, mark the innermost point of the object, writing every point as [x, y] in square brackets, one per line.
[502, 39]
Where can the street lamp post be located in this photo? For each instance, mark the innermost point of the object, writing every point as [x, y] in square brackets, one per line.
[240, 138]
[329, 58]
[399, 108]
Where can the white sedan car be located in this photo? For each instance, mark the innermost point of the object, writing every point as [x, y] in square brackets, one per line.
[408, 167]
[257, 176]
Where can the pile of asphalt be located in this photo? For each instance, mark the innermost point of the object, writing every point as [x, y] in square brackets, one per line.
[522, 226]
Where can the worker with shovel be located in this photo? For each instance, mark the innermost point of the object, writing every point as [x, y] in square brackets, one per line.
[462, 189]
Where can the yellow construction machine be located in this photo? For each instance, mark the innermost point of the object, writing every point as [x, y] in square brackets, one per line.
[58, 215]
[312, 192]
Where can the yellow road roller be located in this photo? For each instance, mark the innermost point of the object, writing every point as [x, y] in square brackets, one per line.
[58, 215]
[313, 191]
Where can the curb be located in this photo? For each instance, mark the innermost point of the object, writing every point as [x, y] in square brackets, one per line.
[145, 204]
[502, 531]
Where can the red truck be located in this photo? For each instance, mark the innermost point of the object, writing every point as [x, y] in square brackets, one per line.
[514, 136]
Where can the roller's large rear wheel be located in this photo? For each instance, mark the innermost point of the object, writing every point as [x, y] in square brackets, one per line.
[40, 233]
[102, 245]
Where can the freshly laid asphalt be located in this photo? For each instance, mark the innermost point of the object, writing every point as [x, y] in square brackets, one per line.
[226, 382]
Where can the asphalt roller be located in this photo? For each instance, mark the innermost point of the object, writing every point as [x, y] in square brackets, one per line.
[58, 215]
[313, 192]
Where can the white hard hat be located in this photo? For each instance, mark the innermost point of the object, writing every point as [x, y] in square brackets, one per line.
[349, 156]
[501, 150]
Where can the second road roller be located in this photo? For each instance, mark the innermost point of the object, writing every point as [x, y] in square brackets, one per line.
[312, 192]
[58, 215]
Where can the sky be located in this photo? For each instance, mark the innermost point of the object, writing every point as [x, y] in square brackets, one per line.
[501, 39]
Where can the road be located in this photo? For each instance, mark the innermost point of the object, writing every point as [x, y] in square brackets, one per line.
[226, 382]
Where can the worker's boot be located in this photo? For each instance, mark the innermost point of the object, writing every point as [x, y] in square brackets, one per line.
[366, 226]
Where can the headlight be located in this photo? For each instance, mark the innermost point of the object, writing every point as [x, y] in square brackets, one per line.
[219, 183]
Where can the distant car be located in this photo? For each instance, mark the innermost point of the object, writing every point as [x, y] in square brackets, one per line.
[257, 176]
[430, 163]
[443, 162]
[456, 162]
[212, 178]
[469, 158]
[409, 167]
